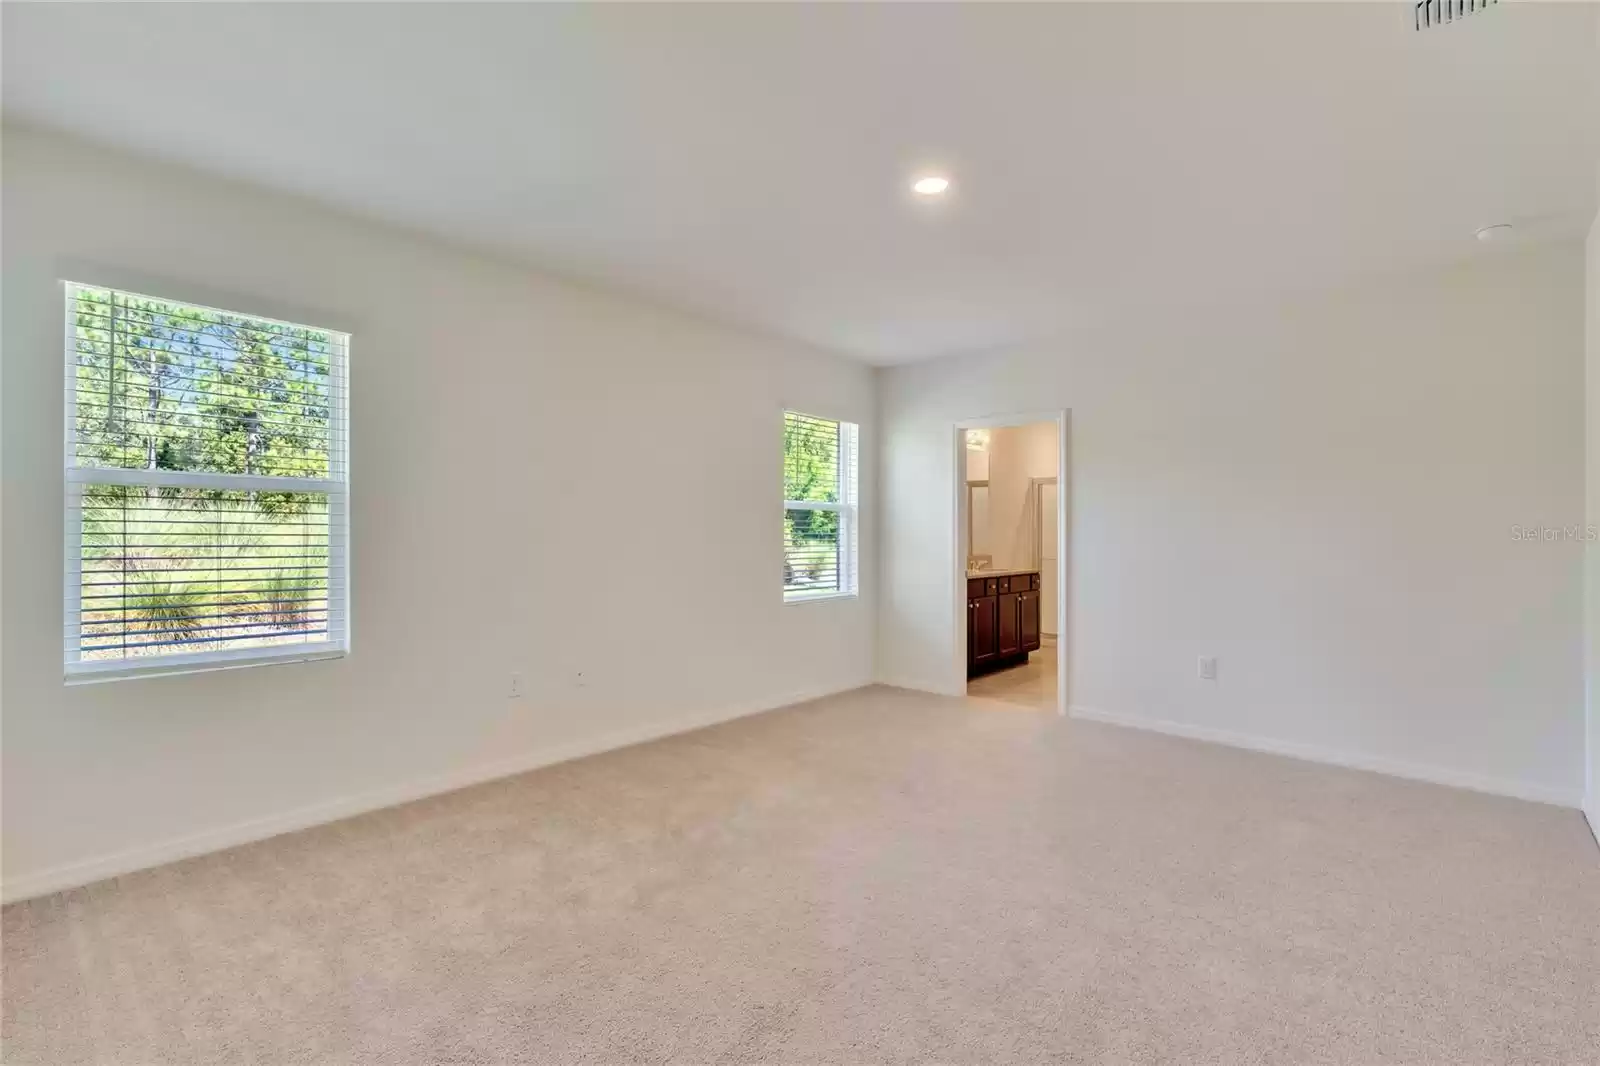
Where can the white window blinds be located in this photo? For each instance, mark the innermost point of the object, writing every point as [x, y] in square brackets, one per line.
[819, 509]
[206, 487]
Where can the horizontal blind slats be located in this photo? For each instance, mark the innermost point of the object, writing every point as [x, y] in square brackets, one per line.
[171, 386]
[819, 497]
[134, 314]
[810, 458]
[104, 370]
[162, 573]
[218, 527]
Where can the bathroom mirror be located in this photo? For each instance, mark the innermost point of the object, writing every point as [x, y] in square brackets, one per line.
[980, 546]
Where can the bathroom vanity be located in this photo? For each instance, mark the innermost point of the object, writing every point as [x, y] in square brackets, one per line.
[1002, 618]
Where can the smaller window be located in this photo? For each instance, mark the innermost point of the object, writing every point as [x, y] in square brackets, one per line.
[819, 507]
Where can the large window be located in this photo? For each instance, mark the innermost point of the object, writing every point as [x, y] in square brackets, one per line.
[819, 508]
[205, 487]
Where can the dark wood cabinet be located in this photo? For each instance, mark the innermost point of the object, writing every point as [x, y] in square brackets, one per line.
[1010, 624]
[1028, 620]
[1002, 620]
[982, 630]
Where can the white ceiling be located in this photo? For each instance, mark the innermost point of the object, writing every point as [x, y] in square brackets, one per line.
[751, 161]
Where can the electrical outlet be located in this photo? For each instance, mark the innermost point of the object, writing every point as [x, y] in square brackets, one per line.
[1208, 667]
[516, 686]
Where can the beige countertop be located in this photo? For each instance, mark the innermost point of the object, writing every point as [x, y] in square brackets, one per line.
[1003, 573]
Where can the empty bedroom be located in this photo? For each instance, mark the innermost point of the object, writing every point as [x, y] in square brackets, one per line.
[800, 533]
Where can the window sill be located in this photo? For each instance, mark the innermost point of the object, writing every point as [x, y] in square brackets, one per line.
[94, 673]
[817, 597]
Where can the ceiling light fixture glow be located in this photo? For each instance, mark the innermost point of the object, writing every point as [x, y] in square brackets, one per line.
[932, 185]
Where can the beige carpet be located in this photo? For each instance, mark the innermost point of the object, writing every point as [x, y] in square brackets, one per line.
[879, 877]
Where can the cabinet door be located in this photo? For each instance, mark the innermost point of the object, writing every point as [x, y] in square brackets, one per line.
[972, 630]
[1010, 642]
[981, 628]
[1028, 608]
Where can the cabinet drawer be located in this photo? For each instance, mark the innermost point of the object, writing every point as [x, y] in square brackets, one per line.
[991, 586]
[975, 586]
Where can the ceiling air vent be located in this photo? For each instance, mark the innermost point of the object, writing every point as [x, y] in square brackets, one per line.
[1430, 13]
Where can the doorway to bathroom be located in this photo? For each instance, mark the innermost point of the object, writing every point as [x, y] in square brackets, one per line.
[1012, 535]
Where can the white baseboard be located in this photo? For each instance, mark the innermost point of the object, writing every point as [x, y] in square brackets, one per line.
[1438, 775]
[1591, 814]
[919, 685]
[87, 871]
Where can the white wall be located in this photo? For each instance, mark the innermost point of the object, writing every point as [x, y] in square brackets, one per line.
[1591, 804]
[523, 451]
[1321, 494]
[1592, 550]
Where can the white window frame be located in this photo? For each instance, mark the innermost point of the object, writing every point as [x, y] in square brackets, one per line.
[849, 488]
[336, 485]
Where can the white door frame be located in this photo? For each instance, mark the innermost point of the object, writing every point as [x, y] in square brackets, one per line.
[1035, 495]
[1065, 638]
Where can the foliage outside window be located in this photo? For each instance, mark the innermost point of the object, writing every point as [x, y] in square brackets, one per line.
[819, 511]
[205, 484]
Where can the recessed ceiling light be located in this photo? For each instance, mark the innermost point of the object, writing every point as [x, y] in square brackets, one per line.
[932, 185]
[1498, 232]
